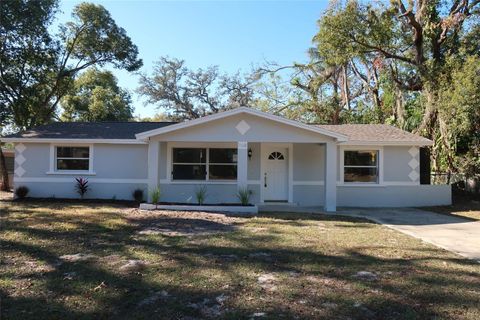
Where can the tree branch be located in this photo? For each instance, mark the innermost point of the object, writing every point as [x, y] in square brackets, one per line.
[385, 53]
[417, 30]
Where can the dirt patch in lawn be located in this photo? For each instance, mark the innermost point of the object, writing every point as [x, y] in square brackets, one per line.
[6, 196]
[181, 223]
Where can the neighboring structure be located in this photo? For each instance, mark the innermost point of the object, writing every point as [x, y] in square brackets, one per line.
[279, 160]
[9, 161]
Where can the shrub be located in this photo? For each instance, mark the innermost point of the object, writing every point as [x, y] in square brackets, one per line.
[21, 192]
[155, 194]
[201, 194]
[244, 195]
[81, 186]
[138, 195]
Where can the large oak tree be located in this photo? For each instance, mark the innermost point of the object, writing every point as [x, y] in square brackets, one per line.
[402, 63]
[37, 68]
[188, 94]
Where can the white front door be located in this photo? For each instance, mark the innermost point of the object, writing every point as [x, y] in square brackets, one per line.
[275, 175]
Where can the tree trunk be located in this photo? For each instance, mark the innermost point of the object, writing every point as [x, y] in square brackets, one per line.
[336, 104]
[399, 106]
[448, 150]
[346, 90]
[378, 105]
[435, 128]
[5, 181]
[428, 124]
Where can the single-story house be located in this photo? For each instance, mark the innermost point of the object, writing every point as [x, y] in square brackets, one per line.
[277, 159]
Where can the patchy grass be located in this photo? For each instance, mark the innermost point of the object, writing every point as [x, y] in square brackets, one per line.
[169, 265]
[464, 205]
[6, 196]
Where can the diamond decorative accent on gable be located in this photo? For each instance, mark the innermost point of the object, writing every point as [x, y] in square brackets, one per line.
[413, 151]
[19, 172]
[242, 127]
[414, 175]
[20, 159]
[413, 163]
[20, 147]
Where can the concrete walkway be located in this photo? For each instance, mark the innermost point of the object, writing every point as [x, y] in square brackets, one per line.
[454, 234]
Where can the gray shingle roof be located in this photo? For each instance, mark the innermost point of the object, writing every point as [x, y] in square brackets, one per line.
[90, 130]
[374, 133]
[127, 130]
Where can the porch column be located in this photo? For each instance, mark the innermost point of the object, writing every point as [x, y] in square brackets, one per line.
[330, 176]
[153, 160]
[242, 164]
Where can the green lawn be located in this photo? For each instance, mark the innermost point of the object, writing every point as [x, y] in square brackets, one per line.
[191, 266]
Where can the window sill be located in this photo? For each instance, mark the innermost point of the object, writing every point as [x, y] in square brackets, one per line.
[200, 182]
[82, 173]
[363, 185]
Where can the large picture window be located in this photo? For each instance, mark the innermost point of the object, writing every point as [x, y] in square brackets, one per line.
[361, 166]
[222, 164]
[189, 164]
[72, 158]
[204, 164]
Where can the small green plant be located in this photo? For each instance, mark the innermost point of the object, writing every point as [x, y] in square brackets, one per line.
[81, 186]
[155, 194]
[201, 194]
[138, 195]
[21, 192]
[244, 195]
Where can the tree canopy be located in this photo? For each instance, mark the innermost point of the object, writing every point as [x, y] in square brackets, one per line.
[411, 64]
[27, 57]
[96, 96]
[38, 68]
[189, 94]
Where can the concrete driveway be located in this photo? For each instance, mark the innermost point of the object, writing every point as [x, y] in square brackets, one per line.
[455, 234]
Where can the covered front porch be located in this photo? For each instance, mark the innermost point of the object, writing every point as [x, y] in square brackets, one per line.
[295, 174]
[277, 161]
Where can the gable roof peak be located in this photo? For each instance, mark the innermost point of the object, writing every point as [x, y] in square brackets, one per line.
[223, 114]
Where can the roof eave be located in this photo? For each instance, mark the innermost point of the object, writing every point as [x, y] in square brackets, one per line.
[388, 143]
[147, 134]
[71, 140]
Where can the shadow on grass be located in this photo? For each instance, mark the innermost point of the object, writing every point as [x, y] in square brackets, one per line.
[297, 216]
[403, 288]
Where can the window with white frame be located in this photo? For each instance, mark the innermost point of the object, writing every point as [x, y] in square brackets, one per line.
[204, 164]
[361, 166]
[222, 164]
[72, 158]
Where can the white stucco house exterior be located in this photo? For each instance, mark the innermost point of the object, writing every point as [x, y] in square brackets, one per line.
[279, 160]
